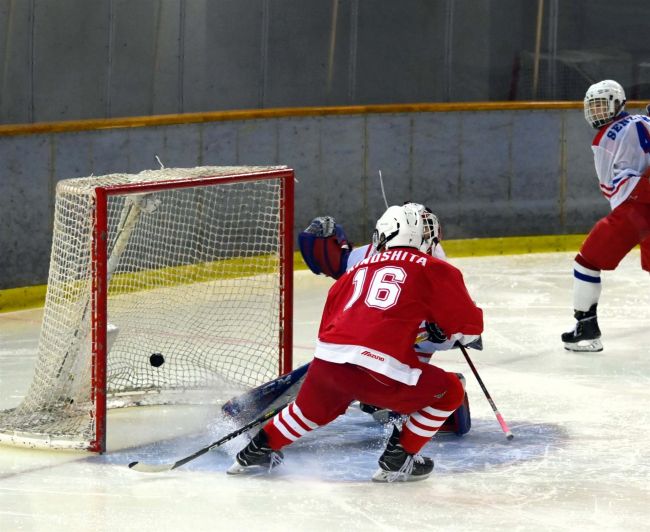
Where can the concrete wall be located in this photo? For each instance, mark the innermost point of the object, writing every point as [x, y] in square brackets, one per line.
[78, 59]
[485, 173]
[84, 59]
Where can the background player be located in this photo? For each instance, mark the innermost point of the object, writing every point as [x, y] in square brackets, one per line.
[364, 351]
[622, 159]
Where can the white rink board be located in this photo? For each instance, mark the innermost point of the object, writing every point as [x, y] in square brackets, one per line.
[579, 460]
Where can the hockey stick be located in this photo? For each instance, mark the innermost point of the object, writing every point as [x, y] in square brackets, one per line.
[158, 468]
[500, 419]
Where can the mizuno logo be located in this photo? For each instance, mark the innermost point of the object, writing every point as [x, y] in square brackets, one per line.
[373, 355]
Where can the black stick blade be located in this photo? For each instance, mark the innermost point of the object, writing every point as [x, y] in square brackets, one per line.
[150, 468]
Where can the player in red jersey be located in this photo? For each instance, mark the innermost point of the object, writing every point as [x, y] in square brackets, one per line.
[622, 160]
[365, 351]
[326, 250]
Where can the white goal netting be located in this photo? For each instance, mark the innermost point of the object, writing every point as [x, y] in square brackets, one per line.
[195, 299]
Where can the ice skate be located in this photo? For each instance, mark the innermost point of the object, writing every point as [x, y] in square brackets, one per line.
[396, 465]
[255, 456]
[586, 335]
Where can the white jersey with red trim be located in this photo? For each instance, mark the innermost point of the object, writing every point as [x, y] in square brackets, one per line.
[375, 309]
[621, 154]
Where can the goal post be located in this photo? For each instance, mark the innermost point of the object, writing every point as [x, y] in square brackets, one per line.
[170, 286]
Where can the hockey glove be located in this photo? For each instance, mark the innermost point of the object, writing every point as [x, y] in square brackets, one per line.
[324, 247]
[436, 335]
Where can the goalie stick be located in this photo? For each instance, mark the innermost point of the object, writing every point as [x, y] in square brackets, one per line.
[159, 468]
[499, 417]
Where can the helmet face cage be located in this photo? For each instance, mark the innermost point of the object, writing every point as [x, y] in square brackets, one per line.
[430, 227]
[603, 102]
[431, 231]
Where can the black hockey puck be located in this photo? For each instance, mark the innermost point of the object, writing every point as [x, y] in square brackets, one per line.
[156, 360]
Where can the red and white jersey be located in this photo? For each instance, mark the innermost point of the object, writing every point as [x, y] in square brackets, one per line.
[366, 251]
[420, 343]
[375, 309]
[621, 154]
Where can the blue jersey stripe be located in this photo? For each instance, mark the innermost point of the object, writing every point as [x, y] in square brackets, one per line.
[586, 278]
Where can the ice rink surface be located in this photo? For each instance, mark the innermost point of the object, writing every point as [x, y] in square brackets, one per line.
[580, 459]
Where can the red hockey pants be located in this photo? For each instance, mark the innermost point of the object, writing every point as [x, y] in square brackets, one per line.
[329, 389]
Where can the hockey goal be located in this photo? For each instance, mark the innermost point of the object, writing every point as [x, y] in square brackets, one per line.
[168, 286]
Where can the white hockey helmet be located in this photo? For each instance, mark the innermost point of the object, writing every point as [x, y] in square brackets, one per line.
[604, 101]
[399, 226]
[431, 233]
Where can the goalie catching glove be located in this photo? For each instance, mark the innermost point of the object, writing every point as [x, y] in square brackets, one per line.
[324, 247]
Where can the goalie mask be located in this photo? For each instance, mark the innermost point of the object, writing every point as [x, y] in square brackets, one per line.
[399, 227]
[604, 101]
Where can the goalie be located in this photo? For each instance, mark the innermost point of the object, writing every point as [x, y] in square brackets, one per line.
[365, 349]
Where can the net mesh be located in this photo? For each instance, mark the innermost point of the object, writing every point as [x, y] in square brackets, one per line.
[194, 299]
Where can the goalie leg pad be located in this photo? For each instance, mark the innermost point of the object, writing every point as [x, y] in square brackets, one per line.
[255, 402]
[460, 421]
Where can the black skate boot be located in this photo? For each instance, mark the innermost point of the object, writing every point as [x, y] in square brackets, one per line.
[586, 335]
[395, 464]
[257, 454]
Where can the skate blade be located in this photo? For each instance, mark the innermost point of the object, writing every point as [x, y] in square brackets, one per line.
[237, 469]
[592, 346]
[388, 476]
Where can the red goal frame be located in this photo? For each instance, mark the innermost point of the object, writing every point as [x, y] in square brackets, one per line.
[99, 295]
